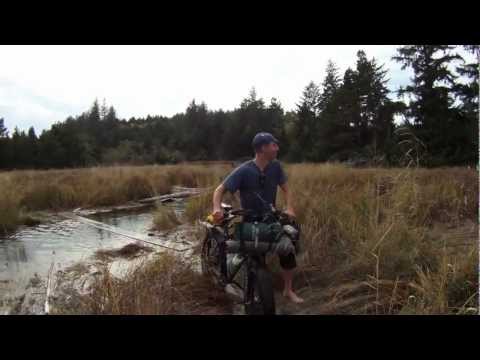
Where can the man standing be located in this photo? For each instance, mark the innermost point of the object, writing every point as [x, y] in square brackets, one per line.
[262, 175]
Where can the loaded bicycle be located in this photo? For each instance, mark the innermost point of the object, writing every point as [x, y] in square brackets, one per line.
[234, 253]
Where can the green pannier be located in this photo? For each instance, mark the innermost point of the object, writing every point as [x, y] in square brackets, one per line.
[257, 235]
[260, 238]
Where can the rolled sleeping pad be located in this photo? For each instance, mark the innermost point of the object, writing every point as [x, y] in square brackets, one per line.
[283, 247]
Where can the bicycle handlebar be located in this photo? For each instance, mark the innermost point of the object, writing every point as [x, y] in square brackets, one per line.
[242, 212]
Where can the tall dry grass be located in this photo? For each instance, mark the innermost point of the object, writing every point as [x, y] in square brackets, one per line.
[372, 231]
[165, 286]
[26, 191]
[165, 218]
[10, 214]
[382, 241]
[375, 226]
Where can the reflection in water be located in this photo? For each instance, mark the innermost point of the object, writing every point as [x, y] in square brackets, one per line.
[63, 242]
[21, 254]
[100, 233]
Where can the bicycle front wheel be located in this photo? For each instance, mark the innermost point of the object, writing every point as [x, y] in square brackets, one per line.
[259, 295]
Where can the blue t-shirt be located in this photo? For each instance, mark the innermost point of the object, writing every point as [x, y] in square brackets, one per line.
[248, 179]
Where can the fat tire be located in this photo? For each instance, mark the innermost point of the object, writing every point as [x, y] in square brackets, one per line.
[262, 284]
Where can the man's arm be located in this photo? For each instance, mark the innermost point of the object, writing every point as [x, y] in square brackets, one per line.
[217, 201]
[288, 199]
[232, 183]
[217, 197]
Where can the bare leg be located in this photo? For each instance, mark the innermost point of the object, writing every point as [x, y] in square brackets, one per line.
[288, 291]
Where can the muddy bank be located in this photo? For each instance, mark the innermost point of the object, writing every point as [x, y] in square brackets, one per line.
[69, 282]
[70, 245]
[108, 270]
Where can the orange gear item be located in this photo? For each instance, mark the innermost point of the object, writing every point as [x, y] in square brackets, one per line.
[210, 219]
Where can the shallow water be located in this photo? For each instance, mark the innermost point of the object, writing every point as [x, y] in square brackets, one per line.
[63, 242]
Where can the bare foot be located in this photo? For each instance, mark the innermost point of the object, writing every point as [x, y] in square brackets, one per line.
[293, 297]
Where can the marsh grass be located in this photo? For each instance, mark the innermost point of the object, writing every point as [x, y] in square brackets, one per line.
[164, 218]
[164, 286]
[10, 212]
[373, 229]
[369, 237]
[25, 191]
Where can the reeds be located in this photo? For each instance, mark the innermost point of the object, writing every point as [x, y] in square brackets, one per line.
[376, 228]
[26, 191]
[382, 241]
[163, 286]
[164, 218]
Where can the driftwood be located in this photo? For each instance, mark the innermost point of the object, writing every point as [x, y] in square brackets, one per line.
[178, 192]
[134, 206]
[114, 209]
[47, 305]
[115, 230]
[169, 197]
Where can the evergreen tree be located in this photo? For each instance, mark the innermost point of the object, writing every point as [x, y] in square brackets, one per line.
[432, 98]
[466, 134]
[17, 148]
[103, 110]
[348, 107]
[305, 124]
[329, 127]
[375, 121]
[109, 128]
[32, 148]
[344, 117]
[94, 117]
[276, 124]
[94, 129]
[4, 146]
[51, 153]
[244, 122]
[195, 146]
[3, 129]
[468, 92]
[330, 86]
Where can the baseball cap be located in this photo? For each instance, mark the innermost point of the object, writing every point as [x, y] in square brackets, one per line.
[263, 138]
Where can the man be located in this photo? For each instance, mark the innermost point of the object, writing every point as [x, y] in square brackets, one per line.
[262, 175]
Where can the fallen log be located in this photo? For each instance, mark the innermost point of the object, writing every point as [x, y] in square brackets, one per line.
[114, 209]
[116, 230]
[169, 197]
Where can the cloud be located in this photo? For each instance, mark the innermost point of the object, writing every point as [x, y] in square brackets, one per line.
[23, 108]
[40, 85]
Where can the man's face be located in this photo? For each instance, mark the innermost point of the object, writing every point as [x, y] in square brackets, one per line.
[270, 151]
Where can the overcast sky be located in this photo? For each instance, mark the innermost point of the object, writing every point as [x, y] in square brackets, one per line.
[41, 85]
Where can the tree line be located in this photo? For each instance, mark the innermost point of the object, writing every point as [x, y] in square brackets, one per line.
[346, 117]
